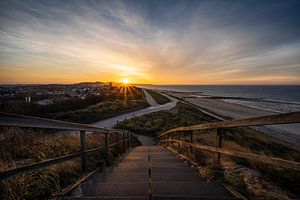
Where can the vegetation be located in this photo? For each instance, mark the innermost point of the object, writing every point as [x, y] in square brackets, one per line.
[23, 146]
[152, 124]
[255, 179]
[90, 109]
[159, 98]
[100, 111]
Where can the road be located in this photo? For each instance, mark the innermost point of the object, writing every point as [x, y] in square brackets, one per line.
[154, 107]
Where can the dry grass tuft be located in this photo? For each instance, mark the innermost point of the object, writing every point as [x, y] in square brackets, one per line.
[23, 146]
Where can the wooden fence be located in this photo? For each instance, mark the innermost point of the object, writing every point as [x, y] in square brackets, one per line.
[11, 120]
[221, 128]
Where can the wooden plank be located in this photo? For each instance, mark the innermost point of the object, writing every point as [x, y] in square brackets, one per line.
[196, 165]
[285, 118]
[70, 188]
[13, 120]
[260, 158]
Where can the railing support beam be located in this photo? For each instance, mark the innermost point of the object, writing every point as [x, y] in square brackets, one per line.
[191, 141]
[219, 138]
[106, 148]
[123, 143]
[83, 148]
[172, 136]
[128, 141]
[179, 138]
[117, 141]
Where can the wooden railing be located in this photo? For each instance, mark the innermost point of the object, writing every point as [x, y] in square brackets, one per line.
[223, 126]
[11, 120]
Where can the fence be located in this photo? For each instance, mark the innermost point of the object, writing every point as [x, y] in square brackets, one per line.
[221, 128]
[12, 120]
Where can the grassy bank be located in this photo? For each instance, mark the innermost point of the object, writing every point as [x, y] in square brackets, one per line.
[255, 179]
[24, 146]
[159, 98]
[154, 123]
[101, 111]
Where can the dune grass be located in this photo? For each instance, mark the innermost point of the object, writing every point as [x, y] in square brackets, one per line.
[101, 111]
[154, 123]
[159, 98]
[19, 147]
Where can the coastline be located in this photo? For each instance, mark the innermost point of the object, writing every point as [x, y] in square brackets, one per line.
[225, 110]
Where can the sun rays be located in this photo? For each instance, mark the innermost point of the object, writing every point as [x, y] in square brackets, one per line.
[126, 89]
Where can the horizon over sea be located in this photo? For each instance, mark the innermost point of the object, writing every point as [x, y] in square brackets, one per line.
[278, 98]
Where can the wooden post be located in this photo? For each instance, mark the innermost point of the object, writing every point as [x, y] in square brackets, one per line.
[220, 132]
[191, 141]
[123, 139]
[128, 141]
[179, 138]
[117, 141]
[106, 148]
[83, 148]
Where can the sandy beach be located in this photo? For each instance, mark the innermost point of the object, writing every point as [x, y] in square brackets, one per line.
[227, 110]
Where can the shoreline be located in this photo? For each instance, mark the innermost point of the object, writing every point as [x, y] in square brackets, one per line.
[224, 110]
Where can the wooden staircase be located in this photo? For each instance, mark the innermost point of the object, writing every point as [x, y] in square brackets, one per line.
[150, 172]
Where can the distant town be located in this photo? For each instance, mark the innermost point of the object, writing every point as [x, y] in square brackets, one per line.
[53, 93]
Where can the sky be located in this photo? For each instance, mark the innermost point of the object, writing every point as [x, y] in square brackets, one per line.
[157, 41]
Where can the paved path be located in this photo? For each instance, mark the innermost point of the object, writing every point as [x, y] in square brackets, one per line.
[108, 123]
[151, 172]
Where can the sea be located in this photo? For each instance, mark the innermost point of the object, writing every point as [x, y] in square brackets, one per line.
[276, 98]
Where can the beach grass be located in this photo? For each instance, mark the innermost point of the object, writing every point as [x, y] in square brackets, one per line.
[101, 111]
[19, 147]
[159, 98]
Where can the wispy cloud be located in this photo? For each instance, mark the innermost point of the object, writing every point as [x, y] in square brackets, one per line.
[150, 41]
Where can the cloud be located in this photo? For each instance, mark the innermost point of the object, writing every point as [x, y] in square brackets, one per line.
[151, 41]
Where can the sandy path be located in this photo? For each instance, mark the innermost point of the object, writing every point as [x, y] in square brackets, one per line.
[150, 99]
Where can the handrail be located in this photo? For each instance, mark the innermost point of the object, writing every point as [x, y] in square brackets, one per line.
[14, 120]
[221, 127]
[46, 163]
[251, 156]
[285, 118]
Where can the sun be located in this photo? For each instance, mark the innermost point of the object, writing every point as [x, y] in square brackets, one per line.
[125, 81]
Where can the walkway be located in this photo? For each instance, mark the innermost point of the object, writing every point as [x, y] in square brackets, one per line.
[150, 99]
[150, 172]
[108, 123]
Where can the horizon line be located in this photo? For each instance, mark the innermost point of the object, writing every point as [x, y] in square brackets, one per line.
[173, 84]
